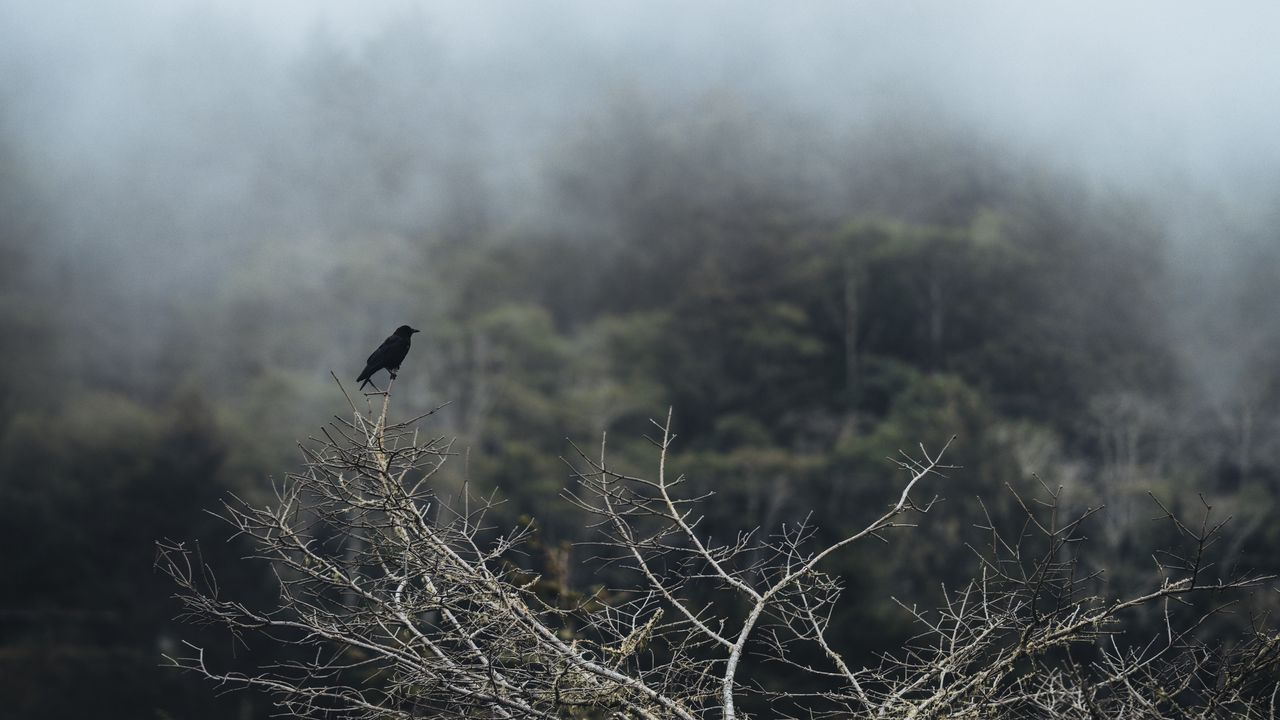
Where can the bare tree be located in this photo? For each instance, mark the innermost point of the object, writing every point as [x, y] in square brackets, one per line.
[397, 603]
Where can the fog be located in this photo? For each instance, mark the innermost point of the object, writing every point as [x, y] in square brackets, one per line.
[1116, 86]
[170, 152]
[819, 230]
[173, 99]
[164, 147]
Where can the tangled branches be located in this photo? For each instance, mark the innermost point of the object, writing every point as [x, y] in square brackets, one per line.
[395, 603]
[1034, 635]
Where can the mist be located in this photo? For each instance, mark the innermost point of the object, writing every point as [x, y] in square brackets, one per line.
[816, 230]
[168, 142]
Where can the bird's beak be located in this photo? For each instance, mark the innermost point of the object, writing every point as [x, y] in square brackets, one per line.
[412, 331]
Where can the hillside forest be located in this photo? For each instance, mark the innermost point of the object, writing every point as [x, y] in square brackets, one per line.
[808, 294]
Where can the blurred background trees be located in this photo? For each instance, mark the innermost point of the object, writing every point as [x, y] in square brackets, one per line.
[809, 292]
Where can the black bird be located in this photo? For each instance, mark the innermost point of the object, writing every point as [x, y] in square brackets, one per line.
[388, 356]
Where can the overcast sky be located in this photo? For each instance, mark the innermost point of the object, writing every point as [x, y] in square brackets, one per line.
[1192, 86]
[168, 138]
[1143, 96]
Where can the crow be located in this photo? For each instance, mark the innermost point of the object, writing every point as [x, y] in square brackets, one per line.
[388, 356]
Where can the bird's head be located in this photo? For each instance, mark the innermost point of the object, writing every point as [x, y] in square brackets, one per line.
[405, 331]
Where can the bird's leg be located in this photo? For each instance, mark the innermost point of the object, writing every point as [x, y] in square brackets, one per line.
[393, 373]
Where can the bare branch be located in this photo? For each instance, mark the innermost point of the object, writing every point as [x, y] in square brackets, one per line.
[398, 603]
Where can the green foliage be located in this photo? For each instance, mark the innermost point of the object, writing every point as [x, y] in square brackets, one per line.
[109, 475]
[88, 486]
[807, 307]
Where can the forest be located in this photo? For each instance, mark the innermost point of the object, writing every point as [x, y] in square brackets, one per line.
[807, 290]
